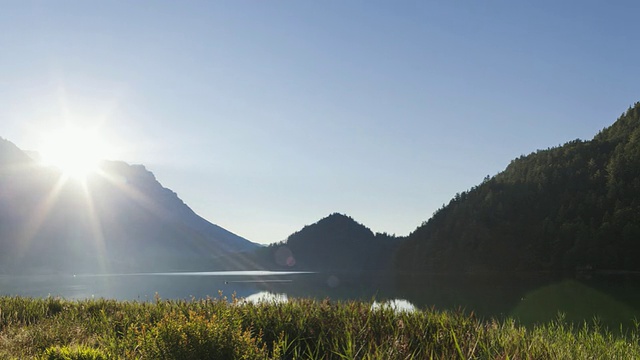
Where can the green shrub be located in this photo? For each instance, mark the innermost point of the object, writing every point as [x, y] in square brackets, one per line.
[194, 336]
[76, 353]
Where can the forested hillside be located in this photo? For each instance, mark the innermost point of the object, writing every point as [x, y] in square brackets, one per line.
[335, 243]
[576, 206]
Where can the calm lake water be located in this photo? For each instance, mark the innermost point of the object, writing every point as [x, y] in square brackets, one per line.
[614, 300]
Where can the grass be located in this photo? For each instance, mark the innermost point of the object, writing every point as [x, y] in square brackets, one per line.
[56, 329]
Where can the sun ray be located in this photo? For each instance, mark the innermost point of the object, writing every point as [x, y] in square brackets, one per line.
[74, 151]
[139, 197]
[40, 215]
[146, 203]
[96, 229]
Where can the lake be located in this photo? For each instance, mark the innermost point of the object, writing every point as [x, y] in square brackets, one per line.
[613, 299]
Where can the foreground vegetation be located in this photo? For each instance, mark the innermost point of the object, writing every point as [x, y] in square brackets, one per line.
[299, 329]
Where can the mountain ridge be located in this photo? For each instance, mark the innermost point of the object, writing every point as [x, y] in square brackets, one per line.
[122, 219]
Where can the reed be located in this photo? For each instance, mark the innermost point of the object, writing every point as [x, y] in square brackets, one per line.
[221, 328]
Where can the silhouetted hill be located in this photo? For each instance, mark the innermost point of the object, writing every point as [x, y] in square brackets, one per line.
[123, 220]
[336, 243]
[11, 154]
[575, 206]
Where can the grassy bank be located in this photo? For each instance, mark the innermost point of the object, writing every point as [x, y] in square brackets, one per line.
[299, 329]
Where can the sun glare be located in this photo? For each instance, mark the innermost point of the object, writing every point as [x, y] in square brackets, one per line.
[76, 152]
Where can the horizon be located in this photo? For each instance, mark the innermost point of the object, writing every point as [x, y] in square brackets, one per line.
[264, 118]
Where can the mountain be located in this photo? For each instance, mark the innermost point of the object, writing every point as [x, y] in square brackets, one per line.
[122, 220]
[567, 208]
[336, 243]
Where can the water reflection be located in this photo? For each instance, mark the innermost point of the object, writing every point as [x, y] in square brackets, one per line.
[260, 273]
[530, 298]
[397, 305]
[144, 286]
[266, 297]
[572, 299]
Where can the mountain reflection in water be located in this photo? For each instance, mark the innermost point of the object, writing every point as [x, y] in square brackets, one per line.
[531, 299]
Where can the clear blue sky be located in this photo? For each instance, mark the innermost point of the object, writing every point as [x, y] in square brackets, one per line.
[265, 116]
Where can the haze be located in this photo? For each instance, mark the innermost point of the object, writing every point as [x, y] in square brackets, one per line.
[265, 116]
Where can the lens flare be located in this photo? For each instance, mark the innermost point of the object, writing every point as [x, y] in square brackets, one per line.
[75, 152]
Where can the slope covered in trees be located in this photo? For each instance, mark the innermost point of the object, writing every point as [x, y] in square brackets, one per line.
[576, 206]
[335, 243]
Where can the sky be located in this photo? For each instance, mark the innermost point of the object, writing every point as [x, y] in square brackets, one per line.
[265, 116]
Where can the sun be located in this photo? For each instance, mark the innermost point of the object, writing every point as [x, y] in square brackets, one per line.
[75, 152]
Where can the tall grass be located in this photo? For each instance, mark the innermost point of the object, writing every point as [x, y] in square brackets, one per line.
[298, 329]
